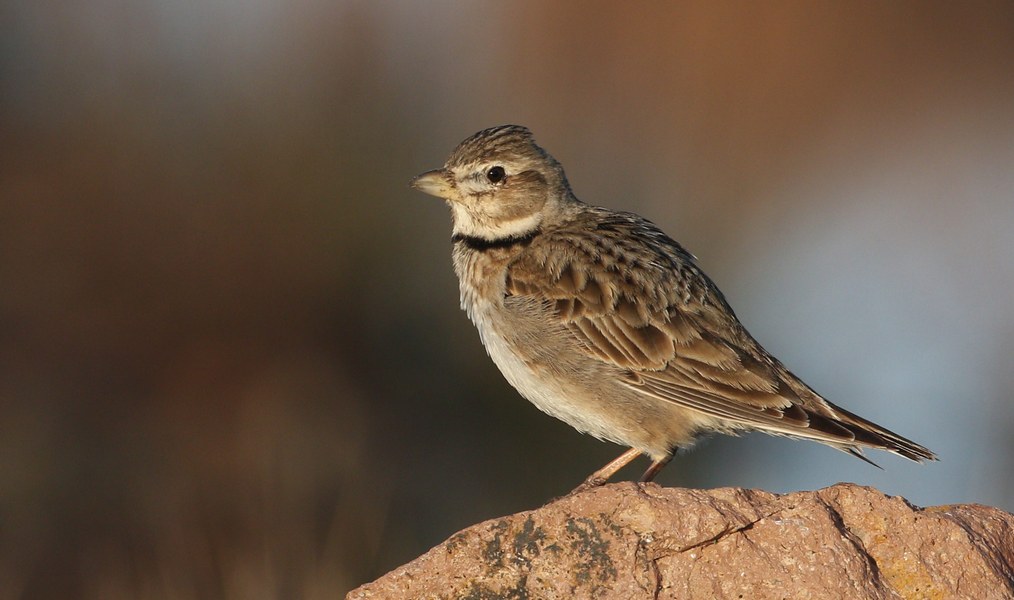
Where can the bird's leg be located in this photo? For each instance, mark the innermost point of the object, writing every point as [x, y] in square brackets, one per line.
[602, 475]
[654, 469]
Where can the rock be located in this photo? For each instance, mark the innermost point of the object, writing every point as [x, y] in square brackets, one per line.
[628, 540]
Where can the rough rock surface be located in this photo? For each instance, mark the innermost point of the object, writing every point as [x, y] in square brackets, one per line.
[642, 541]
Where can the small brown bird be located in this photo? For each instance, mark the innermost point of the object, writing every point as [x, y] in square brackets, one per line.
[602, 320]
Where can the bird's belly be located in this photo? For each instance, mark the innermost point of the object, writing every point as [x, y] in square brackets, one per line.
[554, 380]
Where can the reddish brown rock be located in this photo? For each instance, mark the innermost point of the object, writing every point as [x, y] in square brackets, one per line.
[631, 541]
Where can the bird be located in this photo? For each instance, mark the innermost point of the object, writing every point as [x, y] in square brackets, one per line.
[600, 319]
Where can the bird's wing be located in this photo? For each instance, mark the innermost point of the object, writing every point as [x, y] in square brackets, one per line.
[649, 310]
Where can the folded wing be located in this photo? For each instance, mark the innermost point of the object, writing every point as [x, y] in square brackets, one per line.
[649, 310]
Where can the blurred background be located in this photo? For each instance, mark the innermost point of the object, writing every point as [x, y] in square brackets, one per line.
[232, 363]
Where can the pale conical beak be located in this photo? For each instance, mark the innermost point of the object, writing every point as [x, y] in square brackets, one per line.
[435, 183]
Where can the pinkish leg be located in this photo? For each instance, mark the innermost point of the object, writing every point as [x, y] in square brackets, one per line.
[602, 475]
[654, 469]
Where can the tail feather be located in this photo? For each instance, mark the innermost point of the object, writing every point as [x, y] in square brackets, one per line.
[866, 434]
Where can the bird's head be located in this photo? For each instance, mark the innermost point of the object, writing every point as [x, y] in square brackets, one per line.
[499, 184]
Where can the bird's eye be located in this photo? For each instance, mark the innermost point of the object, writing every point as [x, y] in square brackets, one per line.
[496, 174]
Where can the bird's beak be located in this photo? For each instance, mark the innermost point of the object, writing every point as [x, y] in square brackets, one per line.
[435, 183]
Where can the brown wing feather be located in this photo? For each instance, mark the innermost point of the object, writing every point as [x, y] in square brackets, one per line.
[648, 309]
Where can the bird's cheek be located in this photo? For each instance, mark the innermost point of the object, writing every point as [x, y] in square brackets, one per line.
[524, 202]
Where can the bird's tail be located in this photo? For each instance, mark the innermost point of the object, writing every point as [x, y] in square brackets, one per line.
[866, 434]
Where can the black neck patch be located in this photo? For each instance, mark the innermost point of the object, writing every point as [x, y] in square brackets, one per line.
[482, 245]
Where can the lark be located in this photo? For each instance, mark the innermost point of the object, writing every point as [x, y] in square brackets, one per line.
[602, 320]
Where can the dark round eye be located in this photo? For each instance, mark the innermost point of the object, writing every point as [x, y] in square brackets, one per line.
[496, 174]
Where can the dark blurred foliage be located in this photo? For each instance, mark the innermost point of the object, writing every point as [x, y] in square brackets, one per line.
[231, 359]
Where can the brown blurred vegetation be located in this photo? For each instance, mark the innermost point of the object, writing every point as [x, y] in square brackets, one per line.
[231, 361]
